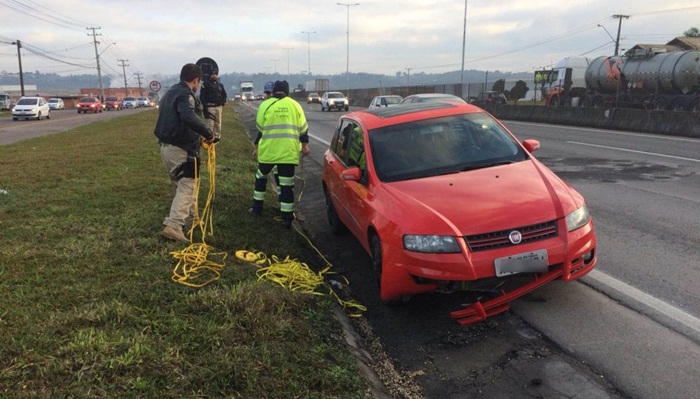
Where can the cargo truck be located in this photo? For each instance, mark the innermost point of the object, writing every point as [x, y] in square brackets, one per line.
[642, 78]
[317, 85]
[246, 90]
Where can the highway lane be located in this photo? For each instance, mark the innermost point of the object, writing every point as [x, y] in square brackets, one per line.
[13, 131]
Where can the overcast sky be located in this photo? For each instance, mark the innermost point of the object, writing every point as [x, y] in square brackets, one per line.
[386, 36]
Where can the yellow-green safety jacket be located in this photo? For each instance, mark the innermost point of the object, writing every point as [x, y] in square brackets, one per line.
[281, 123]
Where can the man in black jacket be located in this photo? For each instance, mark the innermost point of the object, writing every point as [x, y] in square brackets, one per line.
[180, 129]
[213, 96]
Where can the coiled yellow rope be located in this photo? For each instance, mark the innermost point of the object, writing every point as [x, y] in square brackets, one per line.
[194, 268]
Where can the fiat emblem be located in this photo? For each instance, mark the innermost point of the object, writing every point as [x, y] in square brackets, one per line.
[515, 237]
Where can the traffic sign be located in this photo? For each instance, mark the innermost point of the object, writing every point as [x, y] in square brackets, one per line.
[154, 86]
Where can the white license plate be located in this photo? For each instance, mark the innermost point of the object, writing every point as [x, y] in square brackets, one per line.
[528, 262]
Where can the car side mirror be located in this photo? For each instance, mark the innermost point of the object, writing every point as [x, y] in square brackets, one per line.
[353, 174]
[531, 145]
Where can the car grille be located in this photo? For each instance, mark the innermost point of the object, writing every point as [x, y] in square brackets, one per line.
[499, 239]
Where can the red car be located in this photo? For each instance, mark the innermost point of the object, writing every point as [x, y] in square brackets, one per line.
[113, 103]
[444, 198]
[89, 104]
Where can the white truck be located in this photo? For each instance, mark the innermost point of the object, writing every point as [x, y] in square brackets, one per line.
[246, 90]
[5, 101]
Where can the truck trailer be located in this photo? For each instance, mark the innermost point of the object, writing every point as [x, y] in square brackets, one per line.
[317, 85]
[642, 78]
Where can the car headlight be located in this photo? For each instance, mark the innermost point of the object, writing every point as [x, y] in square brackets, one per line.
[577, 218]
[430, 243]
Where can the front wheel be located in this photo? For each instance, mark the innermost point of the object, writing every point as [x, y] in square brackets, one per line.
[38, 116]
[337, 226]
[346, 108]
[48, 115]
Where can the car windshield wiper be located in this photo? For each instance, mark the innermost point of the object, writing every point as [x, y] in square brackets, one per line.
[485, 165]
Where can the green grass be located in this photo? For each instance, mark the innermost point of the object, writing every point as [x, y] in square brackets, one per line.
[87, 304]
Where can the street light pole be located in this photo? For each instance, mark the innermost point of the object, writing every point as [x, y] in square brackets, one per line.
[347, 50]
[308, 44]
[464, 44]
[287, 48]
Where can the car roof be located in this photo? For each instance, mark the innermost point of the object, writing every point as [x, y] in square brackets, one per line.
[373, 118]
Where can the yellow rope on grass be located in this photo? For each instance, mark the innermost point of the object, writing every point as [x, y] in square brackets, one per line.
[194, 268]
[297, 276]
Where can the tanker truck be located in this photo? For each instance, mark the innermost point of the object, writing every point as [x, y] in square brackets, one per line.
[640, 79]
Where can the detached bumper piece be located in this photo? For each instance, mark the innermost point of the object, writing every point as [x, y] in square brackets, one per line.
[479, 311]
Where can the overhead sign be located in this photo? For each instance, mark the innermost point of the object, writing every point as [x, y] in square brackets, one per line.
[154, 86]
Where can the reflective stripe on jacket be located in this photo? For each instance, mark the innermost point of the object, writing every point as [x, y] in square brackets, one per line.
[280, 121]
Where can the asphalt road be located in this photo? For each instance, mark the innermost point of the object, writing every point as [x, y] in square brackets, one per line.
[630, 329]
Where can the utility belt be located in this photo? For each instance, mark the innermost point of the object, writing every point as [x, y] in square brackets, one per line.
[189, 168]
[214, 105]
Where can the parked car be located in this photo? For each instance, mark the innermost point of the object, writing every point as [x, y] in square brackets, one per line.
[313, 98]
[5, 101]
[431, 97]
[31, 107]
[489, 97]
[334, 100]
[56, 104]
[89, 104]
[143, 102]
[444, 198]
[114, 103]
[385, 101]
[129, 102]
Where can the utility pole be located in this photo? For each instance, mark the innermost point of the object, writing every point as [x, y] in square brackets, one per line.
[408, 81]
[21, 75]
[464, 44]
[138, 76]
[124, 65]
[619, 28]
[97, 58]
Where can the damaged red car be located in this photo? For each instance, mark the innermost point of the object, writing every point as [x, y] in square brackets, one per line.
[444, 198]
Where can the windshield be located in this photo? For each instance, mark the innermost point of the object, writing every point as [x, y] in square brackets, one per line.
[335, 95]
[87, 100]
[27, 101]
[442, 145]
[111, 99]
[129, 99]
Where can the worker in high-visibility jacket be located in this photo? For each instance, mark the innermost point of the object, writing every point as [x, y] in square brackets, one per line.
[282, 134]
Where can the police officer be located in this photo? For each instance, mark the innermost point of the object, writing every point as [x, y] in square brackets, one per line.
[213, 96]
[180, 129]
[282, 134]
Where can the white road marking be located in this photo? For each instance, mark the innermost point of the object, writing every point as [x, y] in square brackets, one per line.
[635, 151]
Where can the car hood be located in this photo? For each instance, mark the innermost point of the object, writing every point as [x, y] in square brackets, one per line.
[484, 200]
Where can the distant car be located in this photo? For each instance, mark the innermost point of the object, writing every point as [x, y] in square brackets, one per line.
[114, 103]
[31, 107]
[237, 97]
[489, 97]
[56, 104]
[129, 102]
[143, 102]
[444, 198]
[248, 96]
[260, 97]
[89, 104]
[313, 98]
[334, 100]
[431, 98]
[385, 101]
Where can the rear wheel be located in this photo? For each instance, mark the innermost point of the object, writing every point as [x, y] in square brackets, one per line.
[660, 104]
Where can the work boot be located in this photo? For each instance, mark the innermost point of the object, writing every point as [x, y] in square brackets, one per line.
[174, 234]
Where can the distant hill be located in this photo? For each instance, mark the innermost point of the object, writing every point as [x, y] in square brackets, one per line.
[54, 83]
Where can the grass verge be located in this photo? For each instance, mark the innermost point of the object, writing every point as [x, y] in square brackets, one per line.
[87, 305]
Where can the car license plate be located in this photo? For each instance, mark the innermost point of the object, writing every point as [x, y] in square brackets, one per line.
[528, 262]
